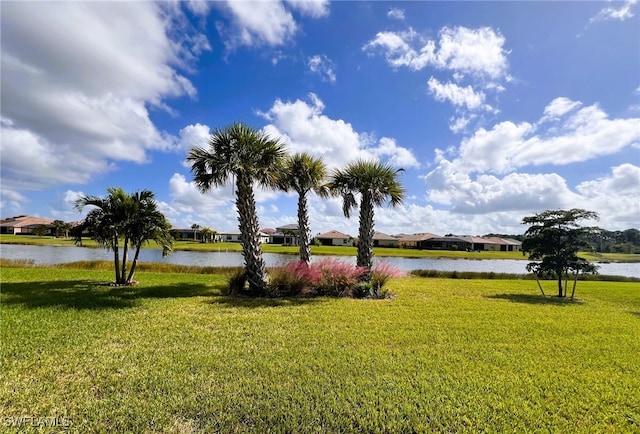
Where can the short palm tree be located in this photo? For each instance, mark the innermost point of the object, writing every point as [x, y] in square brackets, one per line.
[247, 155]
[304, 173]
[376, 184]
[134, 219]
[147, 224]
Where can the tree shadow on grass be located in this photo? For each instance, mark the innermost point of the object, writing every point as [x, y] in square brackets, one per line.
[87, 294]
[537, 299]
[264, 302]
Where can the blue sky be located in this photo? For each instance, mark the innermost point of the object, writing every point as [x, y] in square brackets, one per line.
[496, 110]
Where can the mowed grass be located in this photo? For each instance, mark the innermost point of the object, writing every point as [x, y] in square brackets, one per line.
[445, 355]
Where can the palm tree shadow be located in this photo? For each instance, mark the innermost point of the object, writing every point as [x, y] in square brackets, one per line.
[264, 302]
[90, 295]
[536, 299]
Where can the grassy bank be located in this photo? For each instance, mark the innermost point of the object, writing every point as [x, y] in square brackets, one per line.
[323, 250]
[446, 355]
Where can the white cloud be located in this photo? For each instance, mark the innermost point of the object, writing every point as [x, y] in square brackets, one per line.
[79, 90]
[459, 96]
[306, 129]
[399, 53]
[478, 52]
[468, 180]
[323, 66]
[620, 13]
[559, 107]
[576, 135]
[194, 135]
[311, 8]
[396, 13]
[264, 22]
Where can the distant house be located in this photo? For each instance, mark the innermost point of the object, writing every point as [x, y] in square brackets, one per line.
[193, 235]
[506, 244]
[234, 237]
[384, 240]
[447, 243]
[416, 241]
[24, 225]
[285, 235]
[334, 238]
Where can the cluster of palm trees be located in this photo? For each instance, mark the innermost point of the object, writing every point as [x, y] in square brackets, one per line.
[133, 219]
[245, 156]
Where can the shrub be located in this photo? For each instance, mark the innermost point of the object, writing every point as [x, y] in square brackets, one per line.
[337, 278]
[380, 275]
[294, 278]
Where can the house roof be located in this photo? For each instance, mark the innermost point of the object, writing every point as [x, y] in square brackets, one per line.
[333, 235]
[418, 237]
[24, 220]
[506, 241]
[293, 227]
[478, 240]
[383, 237]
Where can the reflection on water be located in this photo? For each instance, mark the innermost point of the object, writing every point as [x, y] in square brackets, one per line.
[58, 255]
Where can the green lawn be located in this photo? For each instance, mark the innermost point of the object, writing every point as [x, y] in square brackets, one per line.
[323, 250]
[445, 355]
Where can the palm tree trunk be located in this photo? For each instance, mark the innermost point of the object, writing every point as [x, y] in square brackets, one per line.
[365, 243]
[133, 265]
[125, 250]
[304, 232]
[116, 257]
[250, 237]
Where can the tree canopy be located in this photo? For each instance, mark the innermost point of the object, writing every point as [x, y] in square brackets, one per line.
[553, 240]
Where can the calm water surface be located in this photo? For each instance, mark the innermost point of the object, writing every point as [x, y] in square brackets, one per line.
[59, 255]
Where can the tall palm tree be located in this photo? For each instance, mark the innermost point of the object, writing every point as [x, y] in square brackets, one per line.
[376, 184]
[247, 155]
[304, 173]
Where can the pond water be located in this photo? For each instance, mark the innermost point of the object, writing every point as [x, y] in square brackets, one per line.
[59, 255]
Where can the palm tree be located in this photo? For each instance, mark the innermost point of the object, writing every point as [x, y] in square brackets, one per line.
[304, 173]
[206, 234]
[196, 228]
[105, 222]
[147, 224]
[242, 153]
[376, 184]
[133, 218]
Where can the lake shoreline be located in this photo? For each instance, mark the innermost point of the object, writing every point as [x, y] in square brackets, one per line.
[382, 252]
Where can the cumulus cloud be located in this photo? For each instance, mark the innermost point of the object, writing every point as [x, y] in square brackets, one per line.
[458, 96]
[479, 177]
[323, 66]
[194, 135]
[459, 49]
[305, 128]
[575, 133]
[261, 23]
[76, 92]
[475, 58]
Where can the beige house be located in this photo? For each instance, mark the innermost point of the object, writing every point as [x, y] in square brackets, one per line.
[384, 240]
[23, 225]
[334, 238]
